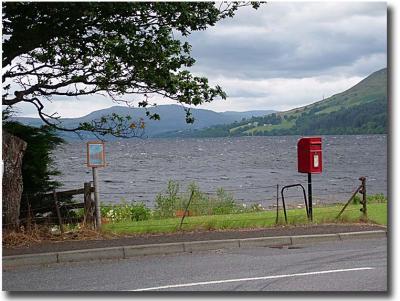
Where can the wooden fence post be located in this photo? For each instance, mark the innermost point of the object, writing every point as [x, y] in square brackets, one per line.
[363, 191]
[88, 218]
[58, 211]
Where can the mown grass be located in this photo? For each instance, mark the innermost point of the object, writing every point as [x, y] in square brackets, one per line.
[377, 213]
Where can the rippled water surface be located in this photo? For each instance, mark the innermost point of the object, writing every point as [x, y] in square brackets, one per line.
[248, 167]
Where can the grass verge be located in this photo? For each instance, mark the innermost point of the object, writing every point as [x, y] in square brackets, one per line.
[377, 213]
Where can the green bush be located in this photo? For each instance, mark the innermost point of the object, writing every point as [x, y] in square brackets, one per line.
[200, 203]
[139, 212]
[356, 200]
[256, 207]
[374, 198]
[125, 212]
[168, 203]
[224, 203]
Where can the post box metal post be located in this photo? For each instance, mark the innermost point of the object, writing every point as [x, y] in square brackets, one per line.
[309, 160]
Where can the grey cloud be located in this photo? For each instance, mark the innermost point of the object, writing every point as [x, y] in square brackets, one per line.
[291, 41]
[280, 56]
[248, 92]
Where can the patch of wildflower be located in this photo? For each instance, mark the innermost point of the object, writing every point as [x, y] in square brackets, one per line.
[125, 212]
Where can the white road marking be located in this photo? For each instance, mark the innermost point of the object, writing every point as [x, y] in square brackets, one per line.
[250, 279]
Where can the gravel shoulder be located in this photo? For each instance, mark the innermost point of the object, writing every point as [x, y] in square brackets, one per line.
[68, 245]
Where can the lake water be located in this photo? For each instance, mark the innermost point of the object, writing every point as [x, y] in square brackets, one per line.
[248, 167]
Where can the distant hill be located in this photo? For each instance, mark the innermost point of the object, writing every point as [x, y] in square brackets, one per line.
[247, 114]
[361, 109]
[172, 119]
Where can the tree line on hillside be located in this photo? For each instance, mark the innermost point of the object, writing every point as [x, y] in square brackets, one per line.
[233, 129]
[369, 118]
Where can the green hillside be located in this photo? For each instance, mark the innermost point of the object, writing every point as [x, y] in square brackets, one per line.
[361, 109]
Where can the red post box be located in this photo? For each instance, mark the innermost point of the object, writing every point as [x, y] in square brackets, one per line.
[309, 155]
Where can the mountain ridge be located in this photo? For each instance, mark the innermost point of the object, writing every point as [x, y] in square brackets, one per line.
[172, 119]
[361, 109]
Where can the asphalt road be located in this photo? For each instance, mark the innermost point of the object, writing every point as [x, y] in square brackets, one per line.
[352, 265]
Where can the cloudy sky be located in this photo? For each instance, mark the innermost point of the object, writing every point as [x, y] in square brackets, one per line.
[286, 55]
[281, 56]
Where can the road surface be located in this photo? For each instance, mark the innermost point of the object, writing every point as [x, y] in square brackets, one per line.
[350, 265]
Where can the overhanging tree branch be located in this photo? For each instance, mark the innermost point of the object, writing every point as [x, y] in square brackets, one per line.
[118, 48]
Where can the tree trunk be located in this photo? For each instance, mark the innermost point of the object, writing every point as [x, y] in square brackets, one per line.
[13, 151]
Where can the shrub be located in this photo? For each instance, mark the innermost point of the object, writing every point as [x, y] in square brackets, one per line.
[125, 212]
[117, 214]
[224, 203]
[375, 198]
[256, 207]
[356, 200]
[139, 212]
[200, 202]
[168, 203]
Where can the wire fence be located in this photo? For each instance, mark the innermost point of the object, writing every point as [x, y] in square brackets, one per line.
[317, 192]
[265, 211]
[264, 196]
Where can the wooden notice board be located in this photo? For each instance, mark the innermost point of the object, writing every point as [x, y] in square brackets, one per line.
[96, 154]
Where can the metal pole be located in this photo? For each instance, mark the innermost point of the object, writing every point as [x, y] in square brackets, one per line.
[310, 215]
[283, 203]
[96, 198]
[277, 204]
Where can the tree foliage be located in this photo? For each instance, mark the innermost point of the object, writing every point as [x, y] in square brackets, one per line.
[368, 118]
[37, 163]
[119, 49]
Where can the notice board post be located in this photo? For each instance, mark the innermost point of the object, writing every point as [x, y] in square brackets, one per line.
[95, 159]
